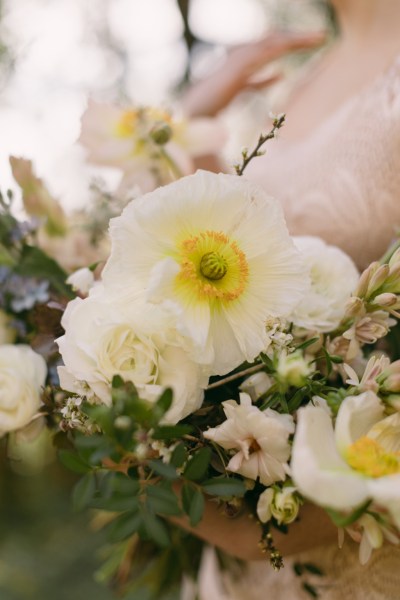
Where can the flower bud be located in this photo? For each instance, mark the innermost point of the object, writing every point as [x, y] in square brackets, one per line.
[256, 385]
[391, 383]
[354, 307]
[293, 369]
[161, 133]
[385, 299]
[81, 280]
[378, 279]
[364, 280]
[283, 505]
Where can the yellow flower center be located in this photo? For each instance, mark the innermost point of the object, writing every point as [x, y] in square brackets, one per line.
[371, 459]
[127, 124]
[212, 266]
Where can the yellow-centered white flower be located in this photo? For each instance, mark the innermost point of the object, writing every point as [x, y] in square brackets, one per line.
[138, 342]
[22, 375]
[356, 461]
[259, 437]
[215, 248]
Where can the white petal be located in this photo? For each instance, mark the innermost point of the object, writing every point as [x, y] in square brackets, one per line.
[356, 416]
[317, 468]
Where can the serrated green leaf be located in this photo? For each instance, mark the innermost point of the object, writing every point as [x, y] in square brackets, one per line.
[163, 469]
[163, 501]
[73, 462]
[196, 508]
[83, 492]
[124, 526]
[197, 466]
[224, 486]
[179, 456]
[156, 530]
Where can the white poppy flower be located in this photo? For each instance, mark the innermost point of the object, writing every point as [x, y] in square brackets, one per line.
[137, 342]
[260, 438]
[333, 278]
[358, 460]
[22, 375]
[216, 248]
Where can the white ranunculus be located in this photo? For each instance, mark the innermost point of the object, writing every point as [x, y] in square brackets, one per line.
[7, 332]
[22, 375]
[359, 459]
[81, 280]
[137, 342]
[259, 437]
[216, 248]
[333, 278]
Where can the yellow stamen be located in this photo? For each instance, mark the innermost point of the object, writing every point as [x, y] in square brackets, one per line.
[213, 266]
[371, 459]
[127, 124]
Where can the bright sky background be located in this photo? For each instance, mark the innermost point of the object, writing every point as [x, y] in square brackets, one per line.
[114, 50]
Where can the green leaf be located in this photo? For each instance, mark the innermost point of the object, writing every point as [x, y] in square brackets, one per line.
[341, 520]
[127, 486]
[307, 343]
[163, 501]
[6, 259]
[196, 508]
[163, 403]
[156, 530]
[124, 526]
[116, 503]
[171, 432]
[179, 456]
[187, 494]
[163, 469]
[197, 467]
[73, 462]
[311, 568]
[224, 486]
[35, 263]
[310, 589]
[83, 492]
[100, 414]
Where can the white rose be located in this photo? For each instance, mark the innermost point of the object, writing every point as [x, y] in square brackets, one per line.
[22, 375]
[136, 341]
[333, 278]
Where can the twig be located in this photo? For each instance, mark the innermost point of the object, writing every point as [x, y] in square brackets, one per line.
[248, 371]
[277, 124]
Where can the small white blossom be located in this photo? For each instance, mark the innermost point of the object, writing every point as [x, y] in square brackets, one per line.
[81, 280]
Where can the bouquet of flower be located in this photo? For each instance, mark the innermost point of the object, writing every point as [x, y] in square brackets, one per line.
[215, 358]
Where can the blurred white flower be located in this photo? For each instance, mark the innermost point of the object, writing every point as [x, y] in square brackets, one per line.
[216, 248]
[357, 461]
[137, 342]
[81, 280]
[148, 144]
[260, 438]
[333, 278]
[22, 375]
[282, 504]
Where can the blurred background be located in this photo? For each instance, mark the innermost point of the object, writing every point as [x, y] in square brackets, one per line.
[54, 54]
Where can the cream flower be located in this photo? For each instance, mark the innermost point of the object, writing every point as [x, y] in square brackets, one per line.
[149, 145]
[216, 248]
[137, 342]
[22, 375]
[333, 278]
[282, 504]
[357, 461]
[260, 438]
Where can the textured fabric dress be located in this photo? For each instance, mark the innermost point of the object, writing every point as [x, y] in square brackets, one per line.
[341, 183]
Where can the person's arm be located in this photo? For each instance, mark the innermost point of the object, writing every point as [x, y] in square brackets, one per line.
[240, 536]
[212, 94]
